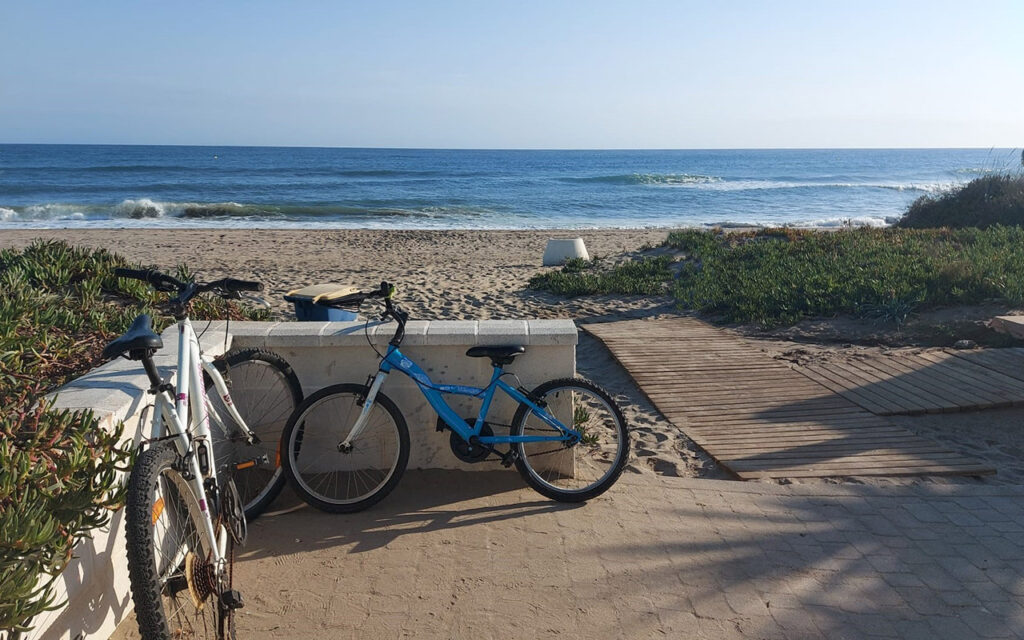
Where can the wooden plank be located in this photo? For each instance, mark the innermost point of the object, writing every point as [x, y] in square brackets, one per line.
[938, 384]
[864, 385]
[920, 395]
[991, 394]
[890, 472]
[860, 395]
[988, 378]
[748, 408]
[851, 463]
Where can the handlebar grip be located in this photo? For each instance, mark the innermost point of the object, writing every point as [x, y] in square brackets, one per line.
[231, 284]
[134, 274]
[155, 278]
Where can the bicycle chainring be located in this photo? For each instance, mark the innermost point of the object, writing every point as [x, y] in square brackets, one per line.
[467, 452]
[233, 512]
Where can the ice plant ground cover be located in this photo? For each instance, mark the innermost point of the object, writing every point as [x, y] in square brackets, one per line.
[59, 470]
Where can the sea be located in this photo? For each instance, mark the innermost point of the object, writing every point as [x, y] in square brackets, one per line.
[115, 186]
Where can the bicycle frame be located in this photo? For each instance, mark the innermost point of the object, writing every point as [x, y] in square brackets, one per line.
[434, 393]
[172, 415]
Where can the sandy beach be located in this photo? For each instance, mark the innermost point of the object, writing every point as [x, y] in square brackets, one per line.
[440, 275]
[483, 274]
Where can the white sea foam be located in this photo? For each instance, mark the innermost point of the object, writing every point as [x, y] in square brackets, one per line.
[7, 215]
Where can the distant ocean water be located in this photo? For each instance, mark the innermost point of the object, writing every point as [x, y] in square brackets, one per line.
[277, 187]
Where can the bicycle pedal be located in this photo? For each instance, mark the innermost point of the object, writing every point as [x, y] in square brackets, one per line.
[508, 458]
[252, 463]
[231, 599]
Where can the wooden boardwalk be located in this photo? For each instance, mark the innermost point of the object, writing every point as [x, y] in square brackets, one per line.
[757, 416]
[935, 381]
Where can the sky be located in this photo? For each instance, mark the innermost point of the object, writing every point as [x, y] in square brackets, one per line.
[524, 74]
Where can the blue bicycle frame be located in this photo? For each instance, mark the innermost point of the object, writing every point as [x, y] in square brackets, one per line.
[434, 393]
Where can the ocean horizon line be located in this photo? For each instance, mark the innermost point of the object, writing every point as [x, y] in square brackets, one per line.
[504, 149]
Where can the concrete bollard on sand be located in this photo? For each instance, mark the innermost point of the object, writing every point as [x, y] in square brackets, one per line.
[561, 249]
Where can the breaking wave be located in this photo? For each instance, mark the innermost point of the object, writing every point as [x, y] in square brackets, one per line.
[647, 178]
[147, 209]
[714, 183]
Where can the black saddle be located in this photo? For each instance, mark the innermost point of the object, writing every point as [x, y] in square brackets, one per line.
[138, 340]
[498, 355]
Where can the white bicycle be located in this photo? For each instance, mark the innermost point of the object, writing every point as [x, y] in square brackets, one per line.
[184, 513]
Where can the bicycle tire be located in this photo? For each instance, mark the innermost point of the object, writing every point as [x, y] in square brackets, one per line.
[562, 473]
[162, 533]
[307, 428]
[265, 391]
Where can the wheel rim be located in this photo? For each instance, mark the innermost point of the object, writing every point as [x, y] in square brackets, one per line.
[585, 465]
[263, 397]
[188, 584]
[338, 477]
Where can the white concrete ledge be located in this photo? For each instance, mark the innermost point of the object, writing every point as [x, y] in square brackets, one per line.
[417, 333]
[1013, 325]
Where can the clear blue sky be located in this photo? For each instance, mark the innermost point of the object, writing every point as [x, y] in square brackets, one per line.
[522, 74]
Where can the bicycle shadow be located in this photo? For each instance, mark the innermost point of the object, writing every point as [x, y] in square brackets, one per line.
[425, 501]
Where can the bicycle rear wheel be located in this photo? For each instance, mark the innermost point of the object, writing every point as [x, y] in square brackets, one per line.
[339, 481]
[265, 391]
[174, 583]
[578, 472]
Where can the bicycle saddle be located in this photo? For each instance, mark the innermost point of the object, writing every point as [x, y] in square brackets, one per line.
[139, 337]
[498, 355]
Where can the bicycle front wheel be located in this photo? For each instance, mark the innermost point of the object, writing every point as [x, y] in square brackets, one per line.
[174, 582]
[572, 472]
[265, 391]
[339, 480]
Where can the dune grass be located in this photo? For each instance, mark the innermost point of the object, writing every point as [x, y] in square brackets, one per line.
[776, 277]
[996, 199]
[779, 276]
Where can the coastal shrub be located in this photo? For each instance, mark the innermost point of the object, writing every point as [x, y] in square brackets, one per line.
[59, 469]
[648, 276]
[996, 199]
[775, 277]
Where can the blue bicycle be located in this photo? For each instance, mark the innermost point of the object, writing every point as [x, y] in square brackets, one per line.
[346, 446]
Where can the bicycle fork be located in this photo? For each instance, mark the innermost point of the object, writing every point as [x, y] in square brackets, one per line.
[345, 446]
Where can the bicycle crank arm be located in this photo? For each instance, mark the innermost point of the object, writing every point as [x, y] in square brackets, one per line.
[264, 459]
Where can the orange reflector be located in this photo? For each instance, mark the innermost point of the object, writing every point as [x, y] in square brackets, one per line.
[158, 508]
[245, 465]
[277, 458]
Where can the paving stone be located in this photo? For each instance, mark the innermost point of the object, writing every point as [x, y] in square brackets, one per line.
[645, 560]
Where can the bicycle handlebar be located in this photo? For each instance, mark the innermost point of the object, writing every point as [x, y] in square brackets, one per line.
[159, 280]
[187, 290]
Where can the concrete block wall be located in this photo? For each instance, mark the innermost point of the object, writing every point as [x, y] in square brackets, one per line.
[326, 353]
[95, 583]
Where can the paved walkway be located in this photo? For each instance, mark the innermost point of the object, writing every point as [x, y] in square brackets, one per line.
[462, 554]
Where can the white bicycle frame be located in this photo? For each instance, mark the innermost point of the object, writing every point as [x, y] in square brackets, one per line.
[172, 415]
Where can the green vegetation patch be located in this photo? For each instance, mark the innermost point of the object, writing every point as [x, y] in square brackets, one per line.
[777, 276]
[59, 469]
[647, 276]
[983, 202]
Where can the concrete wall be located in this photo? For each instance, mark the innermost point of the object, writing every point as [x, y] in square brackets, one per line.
[325, 353]
[95, 583]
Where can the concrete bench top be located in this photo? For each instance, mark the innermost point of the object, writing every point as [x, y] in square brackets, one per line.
[417, 333]
[1013, 325]
[118, 388]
